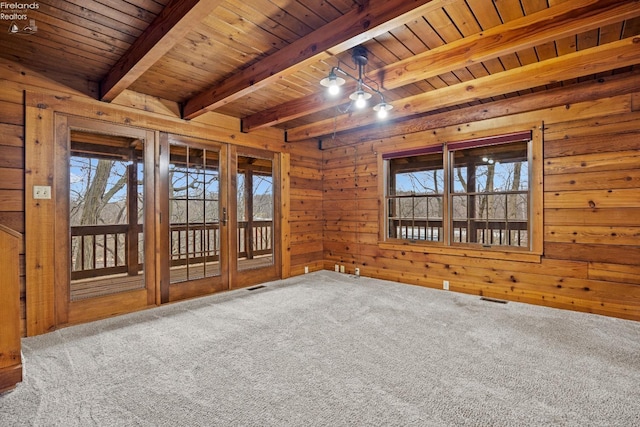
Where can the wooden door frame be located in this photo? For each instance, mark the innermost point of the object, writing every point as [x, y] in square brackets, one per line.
[72, 312]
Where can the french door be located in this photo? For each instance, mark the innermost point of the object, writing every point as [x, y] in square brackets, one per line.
[255, 201]
[144, 218]
[217, 223]
[104, 226]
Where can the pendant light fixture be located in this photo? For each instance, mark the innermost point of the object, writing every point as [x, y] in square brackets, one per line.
[362, 94]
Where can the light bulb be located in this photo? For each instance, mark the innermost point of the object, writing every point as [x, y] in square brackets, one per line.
[359, 97]
[332, 83]
[383, 109]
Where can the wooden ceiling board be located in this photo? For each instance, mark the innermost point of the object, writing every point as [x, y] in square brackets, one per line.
[84, 52]
[510, 11]
[203, 55]
[214, 42]
[300, 82]
[262, 16]
[631, 28]
[445, 28]
[78, 15]
[484, 13]
[117, 11]
[148, 6]
[199, 62]
[533, 6]
[38, 56]
[294, 19]
[429, 36]
[588, 39]
[462, 17]
[174, 72]
[247, 47]
[54, 27]
[236, 32]
[328, 10]
[150, 78]
[453, 23]
[301, 12]
[610, 33]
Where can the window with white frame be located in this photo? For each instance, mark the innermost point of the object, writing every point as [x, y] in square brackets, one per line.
[474, 193]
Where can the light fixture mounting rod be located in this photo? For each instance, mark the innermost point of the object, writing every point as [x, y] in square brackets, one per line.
[360, 56]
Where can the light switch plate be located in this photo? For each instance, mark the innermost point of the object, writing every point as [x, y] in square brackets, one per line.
[41, 192]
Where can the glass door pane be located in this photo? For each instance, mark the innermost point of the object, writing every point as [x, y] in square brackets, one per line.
[106, 200]
[255, 206]
[194, 221]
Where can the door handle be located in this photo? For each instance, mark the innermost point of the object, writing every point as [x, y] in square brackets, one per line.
[224, 216]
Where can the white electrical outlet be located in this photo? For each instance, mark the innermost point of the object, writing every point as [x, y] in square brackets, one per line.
[306, 269]
[41, 192]
[337, 268]
[357, 271]
[445, 285]
[342, 269]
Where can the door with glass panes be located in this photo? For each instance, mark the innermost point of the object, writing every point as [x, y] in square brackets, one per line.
[255, 225]
[217, 217]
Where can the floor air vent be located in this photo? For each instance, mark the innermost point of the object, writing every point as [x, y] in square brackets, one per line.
[499, 301]
[256, 287]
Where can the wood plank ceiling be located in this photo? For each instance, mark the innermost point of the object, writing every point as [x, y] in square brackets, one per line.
[262, 60]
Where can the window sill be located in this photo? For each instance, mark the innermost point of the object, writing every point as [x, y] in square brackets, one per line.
[463, 251]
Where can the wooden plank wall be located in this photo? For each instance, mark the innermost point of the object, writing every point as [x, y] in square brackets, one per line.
[306, 220]
[591, 216]
[591, 260]
[303, 242]
[12, 169]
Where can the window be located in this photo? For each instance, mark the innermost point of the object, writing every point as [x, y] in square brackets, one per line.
[416, 196]
[471, 193]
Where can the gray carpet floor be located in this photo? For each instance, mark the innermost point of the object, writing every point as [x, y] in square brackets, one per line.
[328, 349]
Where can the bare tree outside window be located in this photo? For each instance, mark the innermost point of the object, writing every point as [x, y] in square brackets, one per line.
[194, 213]
[98, 197]
[416, 198]
[488, 195]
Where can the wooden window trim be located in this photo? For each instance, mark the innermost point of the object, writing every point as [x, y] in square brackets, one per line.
[532, 254]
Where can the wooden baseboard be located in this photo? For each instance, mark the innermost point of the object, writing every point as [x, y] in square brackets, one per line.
[9, 377]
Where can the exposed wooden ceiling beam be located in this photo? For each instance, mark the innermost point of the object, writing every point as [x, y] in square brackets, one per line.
[606, 87]
[597, 59]
[565, 19]
[168, 28]
[363, 23]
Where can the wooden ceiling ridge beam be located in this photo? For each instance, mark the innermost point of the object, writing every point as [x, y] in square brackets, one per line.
[591, 90]
[168, 28]
[594, 60]
[550, 24]
[362, 23]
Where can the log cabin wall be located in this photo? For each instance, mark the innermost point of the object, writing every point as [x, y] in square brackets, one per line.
[590, 251]
[302, 232]
[591, 213]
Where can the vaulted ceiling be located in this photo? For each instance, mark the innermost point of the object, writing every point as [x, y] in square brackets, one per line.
[262, 60]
